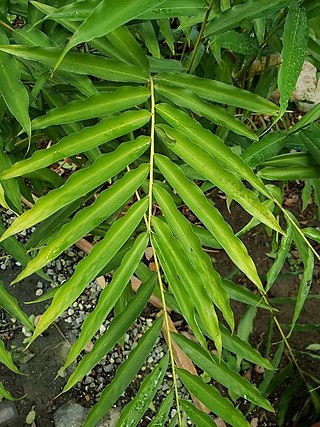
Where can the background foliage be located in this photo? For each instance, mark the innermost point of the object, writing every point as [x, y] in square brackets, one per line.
[155, 104]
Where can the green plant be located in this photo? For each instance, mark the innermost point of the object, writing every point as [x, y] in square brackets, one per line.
[137, 87]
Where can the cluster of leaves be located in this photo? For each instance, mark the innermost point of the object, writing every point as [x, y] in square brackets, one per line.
[151, 101]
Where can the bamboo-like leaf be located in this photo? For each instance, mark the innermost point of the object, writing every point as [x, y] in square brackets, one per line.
[12, 90]
[4, 393]
[109, 296]
[216, 91]
[135, 409]
[11, 187]
[290, 159]
[79, 184]
[165, 28]
[191, 281]
[88, 218]
[241, 348]
[311, 141]
[198, 417]
[250, 9]
[10, 304]
[289, 173]
[185, 304]
[95, 106]
[115, 13]
[161, 416]
[310, 117]
[281, 256]
[211, 143]
[14, 248]
[89, 267]
[150, 38]
[128, 47]
[6, 358]
[212, 399]
[124, 375]
[198, 258]
[86, 139]
[209, 216]
[269, 146]
[220, 372]
[201, 161]
[80, 63]
[295, 43]
[187, 99]
[118, 327]
[242, 294]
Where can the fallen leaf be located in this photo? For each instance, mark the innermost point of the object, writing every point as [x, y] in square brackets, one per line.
[135, 284]
[149, 253]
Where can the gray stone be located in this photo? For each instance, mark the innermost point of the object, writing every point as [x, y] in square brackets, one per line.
[70, 414]
[8, 412]
[110, 419]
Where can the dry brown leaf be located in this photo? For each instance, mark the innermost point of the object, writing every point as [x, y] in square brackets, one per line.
[183, 361]
[254, 422]
[148, 253]
[86, 247]
[220, 422]
[152, 266]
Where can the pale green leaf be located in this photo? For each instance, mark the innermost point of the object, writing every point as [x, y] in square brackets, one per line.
[210, 397]
[134, 410]
[6, 358]
[295, 42]
[209, 216]
[79, 184]
[198, 417]
[89, 267]
[124, 375]
[88, 218]
[10, 305]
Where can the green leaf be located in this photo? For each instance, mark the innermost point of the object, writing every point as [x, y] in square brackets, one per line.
[310, 117]
[6, 358]
[201, 161]
[250, 9]
[79, 184]
[86, 139]
[108, 202]
[118, 327]
[241, 348]
[190, 280]
[80, 63]
[201, 262]
[216, 91]
[109, 296]
[128, 47]
[185, 304]
[115, 13]
[187, 99]
[4, 393]
[209, 216]
[295, 43]
[135, 409]
[10, 305]
[95, 106]
[311, 141]
[198, 417]
[289, 173]
[89, 267]
[220, 372]
[11, 187]
[281, 256]
[162, 414]
[211, 143]
[304, 287]
[290, 159]
[150, 38]
[242, 294]
[124, 375]
[210, 397]
[12, 90]
[269, 146]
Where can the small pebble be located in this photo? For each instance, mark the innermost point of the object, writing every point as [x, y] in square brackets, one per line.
[39, 292]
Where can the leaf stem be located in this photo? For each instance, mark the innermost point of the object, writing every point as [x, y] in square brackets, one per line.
[169, 341]
[198, 41]
[152, 136]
